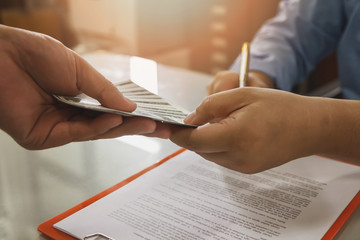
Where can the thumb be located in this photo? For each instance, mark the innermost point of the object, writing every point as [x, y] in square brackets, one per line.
[95, 85]
[259, 79]
[219, 105]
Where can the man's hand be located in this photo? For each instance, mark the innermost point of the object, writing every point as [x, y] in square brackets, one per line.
[263, 128]
[226, 80]
[33, 67]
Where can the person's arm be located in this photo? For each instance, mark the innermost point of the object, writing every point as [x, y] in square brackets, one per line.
[264, 128]
[288, 47]
[33, 67]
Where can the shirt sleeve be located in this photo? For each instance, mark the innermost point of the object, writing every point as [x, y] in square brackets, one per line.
[288, 47]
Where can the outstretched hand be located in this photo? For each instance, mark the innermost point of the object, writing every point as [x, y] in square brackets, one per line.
[256, 129]
[33, 67]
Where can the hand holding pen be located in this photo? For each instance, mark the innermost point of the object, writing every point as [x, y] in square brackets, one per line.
[226, 80]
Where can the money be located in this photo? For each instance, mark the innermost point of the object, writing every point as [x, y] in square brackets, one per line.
[149, 104]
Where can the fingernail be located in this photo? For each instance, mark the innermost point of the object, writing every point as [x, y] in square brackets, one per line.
[190, 118]
[131, 103]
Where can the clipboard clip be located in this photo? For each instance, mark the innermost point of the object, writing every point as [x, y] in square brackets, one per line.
[97, 236]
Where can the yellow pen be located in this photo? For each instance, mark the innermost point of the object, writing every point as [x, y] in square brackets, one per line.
[244, 65]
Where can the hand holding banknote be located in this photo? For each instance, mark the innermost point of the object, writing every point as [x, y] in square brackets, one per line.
[34, 67]
[253, 129]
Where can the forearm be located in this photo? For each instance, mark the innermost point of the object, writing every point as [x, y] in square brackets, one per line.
[336, 128]
[288, 47]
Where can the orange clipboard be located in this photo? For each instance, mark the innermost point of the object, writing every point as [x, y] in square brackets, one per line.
[48, 230]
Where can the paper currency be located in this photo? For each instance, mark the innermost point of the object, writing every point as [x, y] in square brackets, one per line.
[148, 104]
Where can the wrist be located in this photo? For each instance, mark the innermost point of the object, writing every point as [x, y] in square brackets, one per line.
[336, 128]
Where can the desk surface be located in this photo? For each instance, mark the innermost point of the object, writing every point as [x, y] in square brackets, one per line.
[38, 185]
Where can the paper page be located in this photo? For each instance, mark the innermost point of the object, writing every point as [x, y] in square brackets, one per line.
[148, 104]
[188, 197]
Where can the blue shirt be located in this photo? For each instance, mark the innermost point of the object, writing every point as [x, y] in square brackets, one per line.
[288, 47]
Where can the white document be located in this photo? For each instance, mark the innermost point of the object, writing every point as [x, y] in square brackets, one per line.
[188, 197]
